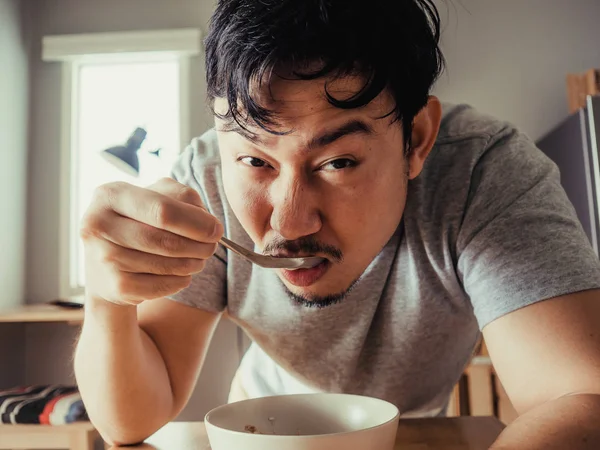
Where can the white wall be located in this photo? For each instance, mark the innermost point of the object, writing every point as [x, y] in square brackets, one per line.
[510, 58]
[79, 16]
[507, 57]
[49, 346]
[14, 80]
[13, 152]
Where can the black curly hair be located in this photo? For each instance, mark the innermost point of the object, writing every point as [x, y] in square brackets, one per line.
[393, 44]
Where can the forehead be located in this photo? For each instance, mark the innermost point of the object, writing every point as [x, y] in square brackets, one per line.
[295, 101]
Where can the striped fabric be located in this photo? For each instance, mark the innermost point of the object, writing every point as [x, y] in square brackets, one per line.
[46, 405]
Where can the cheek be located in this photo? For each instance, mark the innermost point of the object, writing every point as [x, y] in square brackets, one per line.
[248, 202]
[369, 212]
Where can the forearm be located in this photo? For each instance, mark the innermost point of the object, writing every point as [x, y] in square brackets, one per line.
[121, 375]
[571, 422]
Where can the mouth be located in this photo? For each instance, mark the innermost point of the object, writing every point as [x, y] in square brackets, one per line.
[306, 277]
[286, 254]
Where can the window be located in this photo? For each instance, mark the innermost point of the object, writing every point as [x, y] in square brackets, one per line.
[114, 84]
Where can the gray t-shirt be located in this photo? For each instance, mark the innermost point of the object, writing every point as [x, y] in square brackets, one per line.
[487, 230]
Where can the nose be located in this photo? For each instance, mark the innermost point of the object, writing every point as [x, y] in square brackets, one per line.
[295, 212]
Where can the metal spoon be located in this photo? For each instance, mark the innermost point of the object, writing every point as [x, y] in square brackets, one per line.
[271, 262]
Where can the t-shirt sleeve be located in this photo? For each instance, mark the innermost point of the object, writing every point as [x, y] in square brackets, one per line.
[196, 168]
[520, 240]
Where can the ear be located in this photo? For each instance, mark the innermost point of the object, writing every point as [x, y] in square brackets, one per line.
[424, 134]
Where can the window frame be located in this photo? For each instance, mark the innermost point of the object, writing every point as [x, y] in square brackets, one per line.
[73, 51]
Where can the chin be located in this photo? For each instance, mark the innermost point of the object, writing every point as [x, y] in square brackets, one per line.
[321, 294]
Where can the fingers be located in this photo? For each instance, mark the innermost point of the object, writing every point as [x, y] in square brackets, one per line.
[178, 191]
[128, 277]
[134, 235]
[142, 244]
[121, 259]
[160, 211]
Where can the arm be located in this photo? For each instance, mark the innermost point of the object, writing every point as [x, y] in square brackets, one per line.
[136, 374]
[139, 354]
[547, 356]
[521, 242]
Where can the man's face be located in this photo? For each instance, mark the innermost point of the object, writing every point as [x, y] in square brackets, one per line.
[334, 187]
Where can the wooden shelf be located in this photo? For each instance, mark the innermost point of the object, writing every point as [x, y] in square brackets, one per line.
[76, 436]
[40, 313]
[42, 429]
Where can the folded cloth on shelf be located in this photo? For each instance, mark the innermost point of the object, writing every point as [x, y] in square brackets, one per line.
[46, 405]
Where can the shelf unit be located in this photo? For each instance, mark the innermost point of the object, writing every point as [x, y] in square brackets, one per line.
[77, 436]
[41, 313]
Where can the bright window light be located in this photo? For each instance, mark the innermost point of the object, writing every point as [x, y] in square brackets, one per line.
[110, 101]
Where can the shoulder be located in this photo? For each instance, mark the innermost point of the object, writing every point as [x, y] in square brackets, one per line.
[476, 158]
[472, 144]
[467, 133]
[200, 156]
[463, 122]
[479, 147]
[199, 167]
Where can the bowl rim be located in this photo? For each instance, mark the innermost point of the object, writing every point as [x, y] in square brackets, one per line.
[302, 436]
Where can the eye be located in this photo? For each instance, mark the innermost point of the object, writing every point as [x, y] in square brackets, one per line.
[339, 164]
[253, 162]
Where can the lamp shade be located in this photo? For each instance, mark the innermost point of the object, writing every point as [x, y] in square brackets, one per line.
[125, 156]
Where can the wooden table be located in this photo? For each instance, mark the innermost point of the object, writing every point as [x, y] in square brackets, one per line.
[461, 433]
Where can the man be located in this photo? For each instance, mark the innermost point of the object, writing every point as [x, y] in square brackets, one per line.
[436, 224]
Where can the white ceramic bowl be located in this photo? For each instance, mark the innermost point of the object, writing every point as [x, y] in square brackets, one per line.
[304, 422]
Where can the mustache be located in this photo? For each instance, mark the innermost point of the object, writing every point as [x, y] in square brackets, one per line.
[306, 244]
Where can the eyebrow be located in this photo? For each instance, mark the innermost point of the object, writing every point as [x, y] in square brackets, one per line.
[352, 127]
[234, 127]
[329, 137]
